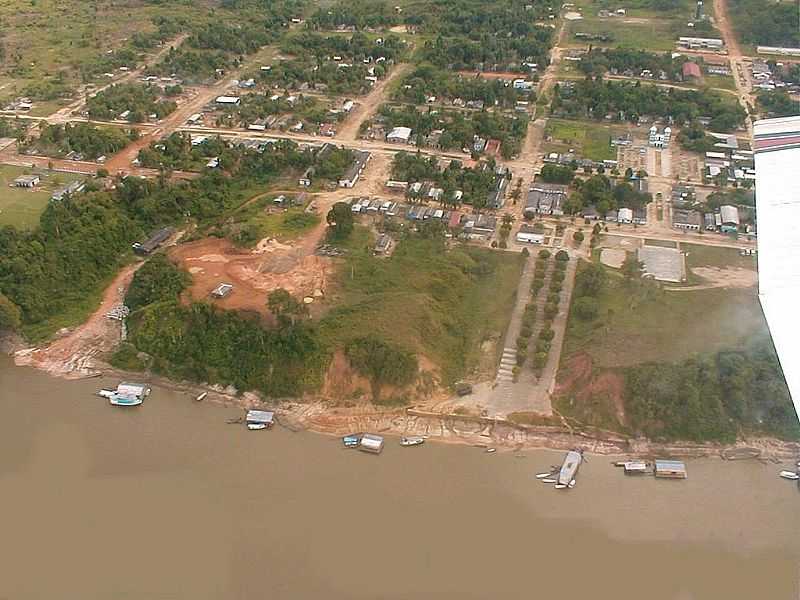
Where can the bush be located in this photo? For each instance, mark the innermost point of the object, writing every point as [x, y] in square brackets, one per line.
[578, 237]
[538, 276]
[562, 256]
[553, 298]
[538, 284]
[550, 310]
[543, 346]
[539, 360]
[544, 253]
[547, 334]
[522, 344]
[586, 308]
[525, 332]
[560, 266]
[521, 356]
[525, 252]
[556, 286]
[558, 276]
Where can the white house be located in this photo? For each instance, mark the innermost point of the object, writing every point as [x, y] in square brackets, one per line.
[400, 135]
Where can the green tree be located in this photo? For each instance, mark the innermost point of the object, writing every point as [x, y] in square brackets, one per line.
[586, 308]
[632, 268]
[340, 221]
[286, 308]
[382, 362]
[155, 281]
[10, 315]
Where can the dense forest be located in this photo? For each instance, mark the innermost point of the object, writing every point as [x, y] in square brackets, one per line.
[491, 52]
[766, 24]
[624, 101]
[428, 80]
[140, 101]
[778, 103]
[85, 139]
[712, 397]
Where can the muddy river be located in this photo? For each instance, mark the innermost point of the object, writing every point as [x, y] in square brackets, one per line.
[168, 501]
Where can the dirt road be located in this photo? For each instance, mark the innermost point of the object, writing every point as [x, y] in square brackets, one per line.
[73, 355]
[739, 68]
[368, 105]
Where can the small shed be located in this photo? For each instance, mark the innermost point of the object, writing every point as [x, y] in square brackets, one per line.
[635, 467]
[670, 469]
[371, 443]
[383, 245]
[260, 416]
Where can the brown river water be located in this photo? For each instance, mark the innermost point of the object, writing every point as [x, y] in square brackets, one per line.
[167, 501]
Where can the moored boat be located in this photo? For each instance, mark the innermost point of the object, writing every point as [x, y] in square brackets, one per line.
[491, 450]
[256, 426]
[569, 468]
[543, 475]
[106, 393]
[201, 397]
[412, 440]
[122, 400]
[790, 475]
[352, 440]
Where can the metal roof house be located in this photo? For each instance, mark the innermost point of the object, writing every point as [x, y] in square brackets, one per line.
[730, 218]
[354, 171]
[154, 241]
[72, 188]
[687, 219]
[400, 135]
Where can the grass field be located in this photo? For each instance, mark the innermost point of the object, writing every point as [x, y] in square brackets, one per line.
[588, 139]
[442, 304]
[715, 256]
[720, 82]
[655, 35]
[22, 207]
[663, 326]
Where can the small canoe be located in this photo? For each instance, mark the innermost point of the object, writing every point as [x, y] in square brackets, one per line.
[790, 475]
[201, 397]
[491, 450]
[413, 440]
[560, 486]
[256, 426]
[106, 393]
[550, 480]
[543, 475]
[571, 484]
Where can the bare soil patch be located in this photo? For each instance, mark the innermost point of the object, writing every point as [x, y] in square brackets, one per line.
[253, 273]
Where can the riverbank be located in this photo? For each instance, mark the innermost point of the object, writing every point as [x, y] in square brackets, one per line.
[324, 417]
[79, 353]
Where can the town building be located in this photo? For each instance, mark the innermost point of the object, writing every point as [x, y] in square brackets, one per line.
[702, 43]
[689, 220]
[660, 139]
[399, 135]
[27, 181]
[691, 70]
[155, 241]
[545, 199]
[729, 218]
[354, 171]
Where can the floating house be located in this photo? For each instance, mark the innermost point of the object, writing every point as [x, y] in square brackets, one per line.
[670, 469]
[260, 417]
[371, 443]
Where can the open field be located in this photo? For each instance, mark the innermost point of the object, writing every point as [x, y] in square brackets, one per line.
[587, 138]
[641, 34]
[443, 304]
[633, 328]
[22, 207]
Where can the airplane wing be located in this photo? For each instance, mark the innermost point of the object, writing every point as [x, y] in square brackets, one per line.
[777, 161]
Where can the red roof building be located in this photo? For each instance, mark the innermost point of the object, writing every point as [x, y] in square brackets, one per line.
[691, 70]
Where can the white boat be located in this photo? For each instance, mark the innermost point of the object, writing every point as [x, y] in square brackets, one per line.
[560, 486]
[106, 393]
[790, 475]
[550, 480]
[543, 475]
[569, 468]
[491, 450]
[571, 484]
[412, 440]
[201, 397]
[256, 426]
